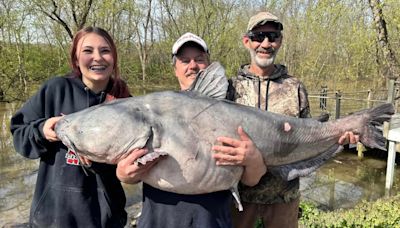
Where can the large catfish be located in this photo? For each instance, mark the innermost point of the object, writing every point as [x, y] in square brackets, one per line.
[185, 125]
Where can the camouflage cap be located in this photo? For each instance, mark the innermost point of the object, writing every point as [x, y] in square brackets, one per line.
[262, 18]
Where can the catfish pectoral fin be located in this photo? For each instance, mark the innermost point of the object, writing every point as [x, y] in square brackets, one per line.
[150, 157]
[236, 196]
[305, 167]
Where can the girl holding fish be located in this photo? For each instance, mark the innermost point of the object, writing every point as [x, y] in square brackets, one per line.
[66, 195]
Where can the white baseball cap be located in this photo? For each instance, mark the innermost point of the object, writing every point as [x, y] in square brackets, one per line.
[188, 37]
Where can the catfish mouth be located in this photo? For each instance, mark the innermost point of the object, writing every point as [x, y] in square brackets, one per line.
[60, 130]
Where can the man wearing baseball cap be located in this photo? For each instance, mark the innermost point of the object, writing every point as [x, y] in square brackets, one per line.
[167, 209]
[189, 55]
[160, 208]
[268, 86]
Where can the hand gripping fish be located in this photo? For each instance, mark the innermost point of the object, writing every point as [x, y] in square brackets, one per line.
[185, 125]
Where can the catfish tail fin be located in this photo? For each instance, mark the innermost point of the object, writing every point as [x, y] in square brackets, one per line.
[372, 133]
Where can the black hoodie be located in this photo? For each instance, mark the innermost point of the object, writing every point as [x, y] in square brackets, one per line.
[65, 196]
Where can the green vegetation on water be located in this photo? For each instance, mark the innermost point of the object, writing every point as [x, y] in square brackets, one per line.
[384, 212]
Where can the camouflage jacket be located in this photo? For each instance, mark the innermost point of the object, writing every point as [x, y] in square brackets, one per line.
[279, 93]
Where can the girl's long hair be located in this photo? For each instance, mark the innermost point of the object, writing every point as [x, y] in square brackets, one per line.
[119, 88]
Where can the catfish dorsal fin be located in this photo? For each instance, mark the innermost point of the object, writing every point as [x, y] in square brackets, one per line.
[211, 82]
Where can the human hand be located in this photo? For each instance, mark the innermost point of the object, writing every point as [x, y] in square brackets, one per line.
[235, 151]
[131, 172]
[48, 129]
[348, 138]
[241, 152]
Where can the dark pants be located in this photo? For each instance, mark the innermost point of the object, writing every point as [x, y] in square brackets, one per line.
[276, 215]
[170, 210]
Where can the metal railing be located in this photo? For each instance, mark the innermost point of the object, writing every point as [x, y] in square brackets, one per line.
[340, 103]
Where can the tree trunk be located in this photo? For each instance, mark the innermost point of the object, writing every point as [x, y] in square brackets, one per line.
[390, 63]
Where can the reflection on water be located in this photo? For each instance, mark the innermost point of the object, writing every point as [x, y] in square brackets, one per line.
[347, 180]
[17, 175]
[341, 183]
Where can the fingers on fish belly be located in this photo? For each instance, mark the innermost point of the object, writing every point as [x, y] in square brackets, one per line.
[150, 157]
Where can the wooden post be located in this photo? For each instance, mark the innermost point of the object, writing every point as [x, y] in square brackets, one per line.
[369, 97]
[390, 98]
[360, 150]
[390, 165]
[393, 137]
[338, 95]
[322, 99]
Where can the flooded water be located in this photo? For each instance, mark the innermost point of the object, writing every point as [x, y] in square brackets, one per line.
[18, 177]
[341, 183]
[346, 180]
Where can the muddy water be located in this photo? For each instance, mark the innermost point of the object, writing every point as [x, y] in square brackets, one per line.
[341, 183]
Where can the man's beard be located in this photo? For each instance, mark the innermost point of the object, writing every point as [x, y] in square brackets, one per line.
[263, 62]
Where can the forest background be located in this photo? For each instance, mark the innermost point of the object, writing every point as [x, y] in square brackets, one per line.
[330, 43]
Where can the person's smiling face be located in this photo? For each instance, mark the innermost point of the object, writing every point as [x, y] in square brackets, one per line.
[95, 60]
[263, 52]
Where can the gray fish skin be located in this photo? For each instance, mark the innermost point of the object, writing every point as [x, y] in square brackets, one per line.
[186, 125]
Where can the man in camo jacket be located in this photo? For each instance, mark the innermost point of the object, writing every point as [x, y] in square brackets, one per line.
[268, 86]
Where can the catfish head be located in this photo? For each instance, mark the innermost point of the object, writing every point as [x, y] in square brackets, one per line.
[104, 135]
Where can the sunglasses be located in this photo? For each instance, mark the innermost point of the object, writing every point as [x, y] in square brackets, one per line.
[260, 36]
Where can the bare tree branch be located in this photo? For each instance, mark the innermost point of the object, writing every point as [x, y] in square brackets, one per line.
[85, 14]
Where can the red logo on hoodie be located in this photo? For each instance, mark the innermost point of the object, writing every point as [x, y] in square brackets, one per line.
[71, 158]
